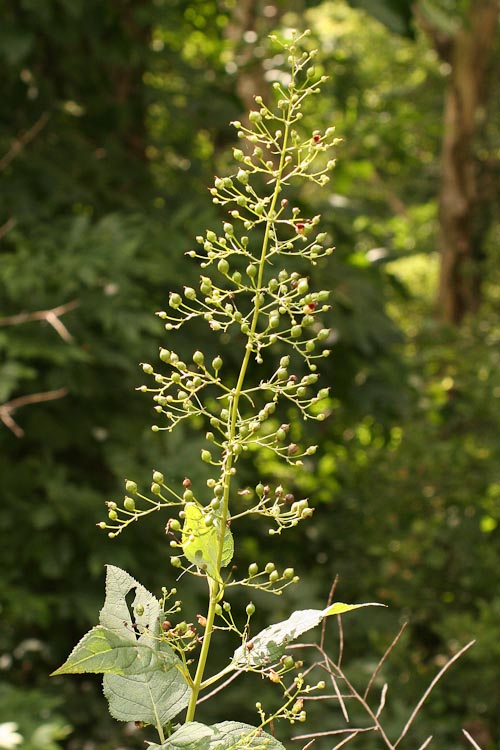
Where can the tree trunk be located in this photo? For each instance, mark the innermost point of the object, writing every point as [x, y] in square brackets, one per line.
[468, 53]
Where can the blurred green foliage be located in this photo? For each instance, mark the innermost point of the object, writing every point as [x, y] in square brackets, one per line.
[99, 207]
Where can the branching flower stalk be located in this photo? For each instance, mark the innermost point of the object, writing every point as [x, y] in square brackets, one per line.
[247, 294]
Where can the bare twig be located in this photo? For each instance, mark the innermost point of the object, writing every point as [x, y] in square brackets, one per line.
[346, 740]
[9, 224]
[382, 660]
[383, 696]
[426, 743]
[330, 602]
[341, 640]
[52, 317]
[331, 732]
[7, 409]
[19, 143]
[430, 688]
[471, 739]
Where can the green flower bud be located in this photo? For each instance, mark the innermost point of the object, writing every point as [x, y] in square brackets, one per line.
[113, 515]
[155, 488]
[129, 504]
[238, 154]
[189, 292]
[274, 576]
[253, 569]
[139, 610]
[270, 567]
[250, 609]
[288, 573]
[217, 363]
[296, 332]
[130, 486]
[242, 176]
[198, 358]
[206, 456]
[147, 368]
[251, 271]
[303, 286]
[175, 524]
[174, 300]
[223, 266]
[158, 477]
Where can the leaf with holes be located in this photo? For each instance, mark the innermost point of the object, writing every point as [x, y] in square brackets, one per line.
[269, 645]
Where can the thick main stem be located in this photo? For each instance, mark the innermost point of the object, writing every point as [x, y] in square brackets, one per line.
[216, 587]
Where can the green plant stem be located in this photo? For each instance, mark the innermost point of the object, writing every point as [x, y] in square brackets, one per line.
[216, 587]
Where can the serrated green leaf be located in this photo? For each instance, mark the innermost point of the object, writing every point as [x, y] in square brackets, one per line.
[189, 736]
[269, 645]
[200, 542]
[155, 696]
[226, 735]
[238, 735]
[103, 651]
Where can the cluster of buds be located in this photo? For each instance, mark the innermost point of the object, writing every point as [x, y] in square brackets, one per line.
[268, 578]
[136, 505]
[182, 637]
[278, 505]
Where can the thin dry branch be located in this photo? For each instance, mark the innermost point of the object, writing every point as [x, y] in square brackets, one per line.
[382, 661]
[19, 143]
[329, 603]
[430, 689]
[52, 317]
[7, 409]
[9, 224]
[471, 739]
[426, 743]
[332, 732]
[345, 740]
